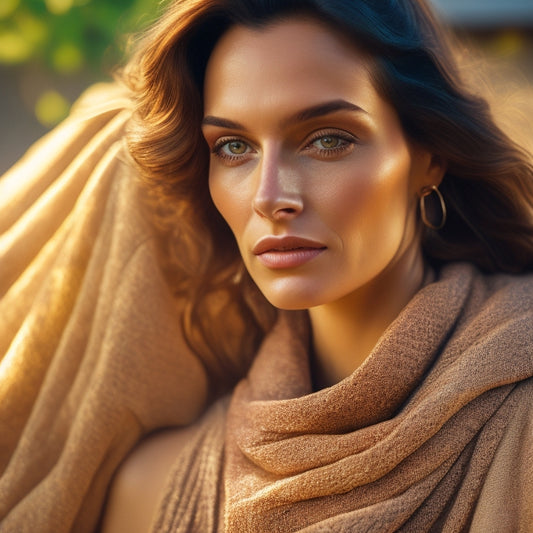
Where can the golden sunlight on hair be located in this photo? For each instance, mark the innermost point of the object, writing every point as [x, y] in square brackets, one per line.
[499, 68]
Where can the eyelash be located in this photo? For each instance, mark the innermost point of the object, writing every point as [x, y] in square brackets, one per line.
[217, 149]
[346, 139]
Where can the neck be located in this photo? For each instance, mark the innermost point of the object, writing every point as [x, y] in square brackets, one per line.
[346, 331]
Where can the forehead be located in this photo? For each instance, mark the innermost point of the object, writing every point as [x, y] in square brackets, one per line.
[295, 59]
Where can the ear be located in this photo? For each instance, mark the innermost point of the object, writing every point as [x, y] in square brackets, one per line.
[436, 170]
[429, 169]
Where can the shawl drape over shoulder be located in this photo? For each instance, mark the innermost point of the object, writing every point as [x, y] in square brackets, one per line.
[434, 432]
[91, 355]
[404, 443]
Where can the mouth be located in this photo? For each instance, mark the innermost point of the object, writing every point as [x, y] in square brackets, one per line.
[286, 252]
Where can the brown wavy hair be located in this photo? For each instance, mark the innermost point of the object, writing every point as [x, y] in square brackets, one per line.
[488, 186]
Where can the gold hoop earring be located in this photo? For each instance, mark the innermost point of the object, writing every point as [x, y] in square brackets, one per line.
[427, 191]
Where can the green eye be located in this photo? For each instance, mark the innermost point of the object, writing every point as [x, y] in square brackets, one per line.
[333, 144]
[234, 151]
[328, 142]
[236, 147]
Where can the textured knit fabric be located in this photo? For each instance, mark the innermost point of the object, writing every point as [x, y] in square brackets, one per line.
[433, 432]
[91, 352]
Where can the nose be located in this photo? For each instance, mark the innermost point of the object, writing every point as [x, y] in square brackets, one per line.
[277, 196]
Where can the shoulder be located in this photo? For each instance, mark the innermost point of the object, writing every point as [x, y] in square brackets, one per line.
[496, 296]
[490, 283]
[140, 482]
[491, 332]
[507, 500]
[160, 462]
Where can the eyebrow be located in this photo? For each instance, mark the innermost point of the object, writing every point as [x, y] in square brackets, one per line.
[320, 110]
[309, 113]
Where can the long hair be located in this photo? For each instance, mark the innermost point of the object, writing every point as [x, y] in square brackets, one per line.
[488, 186]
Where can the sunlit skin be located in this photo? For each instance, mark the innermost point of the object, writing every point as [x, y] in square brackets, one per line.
[303, 146]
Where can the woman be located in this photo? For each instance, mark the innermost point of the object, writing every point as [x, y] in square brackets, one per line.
[327, 204]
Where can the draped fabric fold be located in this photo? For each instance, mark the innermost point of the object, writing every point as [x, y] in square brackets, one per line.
[404, 443]
[92, 356]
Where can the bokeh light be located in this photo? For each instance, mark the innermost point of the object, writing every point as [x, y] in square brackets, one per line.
[7, 7]
[51, 108]
[58, 7]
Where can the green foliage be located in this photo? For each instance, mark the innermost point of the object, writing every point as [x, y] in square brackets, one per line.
[46, 45]
[67, 36]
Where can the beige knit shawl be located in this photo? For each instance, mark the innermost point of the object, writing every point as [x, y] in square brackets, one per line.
[91, 355]
[433, 432]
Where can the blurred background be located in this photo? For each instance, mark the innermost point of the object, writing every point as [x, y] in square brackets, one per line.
[50, 50]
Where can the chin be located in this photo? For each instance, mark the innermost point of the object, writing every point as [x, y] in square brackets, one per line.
[290, 307]
[292, 300]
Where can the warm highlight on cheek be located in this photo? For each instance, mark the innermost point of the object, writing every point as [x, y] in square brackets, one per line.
[223, 200]
[233, 202]
[371, 205]
[216, 193]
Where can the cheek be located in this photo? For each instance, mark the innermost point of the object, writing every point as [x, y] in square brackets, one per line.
[370, 199]
[229, 201]
[220, 196]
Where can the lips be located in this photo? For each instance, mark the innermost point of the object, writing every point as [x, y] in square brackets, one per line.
[284, 244]
[286, 252]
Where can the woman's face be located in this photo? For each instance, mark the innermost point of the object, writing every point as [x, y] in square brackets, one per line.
[309, 165]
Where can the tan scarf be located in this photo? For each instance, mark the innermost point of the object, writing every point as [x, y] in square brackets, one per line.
[389, 448]
[376, 453]
[91, 354]
[432, 433]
